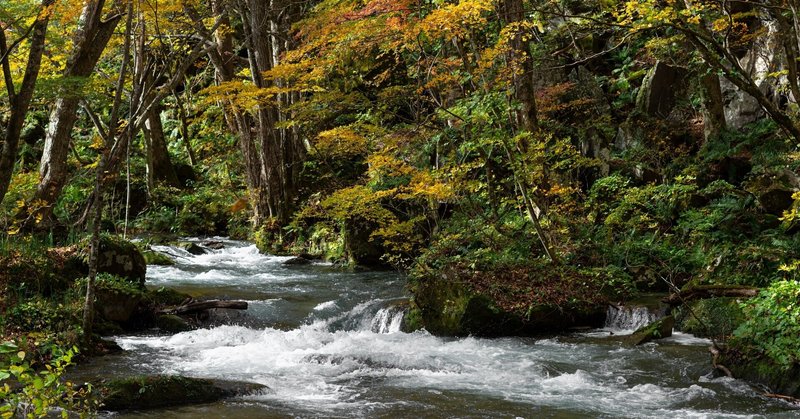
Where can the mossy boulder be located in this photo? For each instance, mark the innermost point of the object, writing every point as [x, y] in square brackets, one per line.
[151, 392]
[119, 257]
[170, 323]
[116, 306]
[152, 257]
[658, 329]
[762, 371]
[163, 296]
[456, 308]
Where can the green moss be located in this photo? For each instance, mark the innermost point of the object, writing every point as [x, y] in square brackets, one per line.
[157, 258]
[166, 297]
[658, 329]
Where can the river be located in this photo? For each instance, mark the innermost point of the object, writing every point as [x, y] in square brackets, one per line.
[328, 344]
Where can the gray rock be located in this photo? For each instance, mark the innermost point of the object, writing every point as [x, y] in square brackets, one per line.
[659, 329]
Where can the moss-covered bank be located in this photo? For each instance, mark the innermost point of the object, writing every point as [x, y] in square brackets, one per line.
[520, 302]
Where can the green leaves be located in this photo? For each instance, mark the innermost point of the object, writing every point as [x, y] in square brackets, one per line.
[773, 324]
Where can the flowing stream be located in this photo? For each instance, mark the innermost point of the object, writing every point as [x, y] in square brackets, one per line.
[328, 344]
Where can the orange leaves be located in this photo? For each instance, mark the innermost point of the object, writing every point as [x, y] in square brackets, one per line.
[380, 7]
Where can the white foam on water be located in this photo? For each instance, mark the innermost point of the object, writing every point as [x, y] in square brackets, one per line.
[343, 358]
[328, 305]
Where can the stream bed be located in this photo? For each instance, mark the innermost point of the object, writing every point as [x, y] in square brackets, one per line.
[328, 344]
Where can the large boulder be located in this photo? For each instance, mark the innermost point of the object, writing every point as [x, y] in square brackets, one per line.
[455, 308]
[116, 305]
[152, 392]
[774, 190]
[121, 258]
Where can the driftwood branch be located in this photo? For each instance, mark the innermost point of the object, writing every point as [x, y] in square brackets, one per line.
[699, 293]
[198, 306]
[714, 361]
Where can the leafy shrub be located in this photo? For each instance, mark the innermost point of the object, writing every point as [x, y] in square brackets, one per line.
[773, 324]
[42, 390]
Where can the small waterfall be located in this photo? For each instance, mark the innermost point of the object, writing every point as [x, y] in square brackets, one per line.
[388, 320]
[631, 318]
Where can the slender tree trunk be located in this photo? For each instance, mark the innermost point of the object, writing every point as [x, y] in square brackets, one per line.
[183, 116]
[20, 101]
[512, 12]
[90, 41]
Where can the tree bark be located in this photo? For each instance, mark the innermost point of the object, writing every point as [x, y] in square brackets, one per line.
[20, 101]
[700, 293]
[159, 165]
[713, 107]
[90, 42]
[512, 12]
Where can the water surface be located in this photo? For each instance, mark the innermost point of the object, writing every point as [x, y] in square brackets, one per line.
[328, 344]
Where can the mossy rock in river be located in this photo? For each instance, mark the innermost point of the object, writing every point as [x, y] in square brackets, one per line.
[152, 257]
[151, 392]
[170, 323]
[658, 329]
[454, 308]
[762, 371]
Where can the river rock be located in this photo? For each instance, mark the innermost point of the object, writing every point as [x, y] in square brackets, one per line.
[192, 248]
[214, 245]
[452, 308]
[659, 329]
[115, 305]
[297, 261]
[152, 257]
[170, 323]
[151, 392]
[763, 372]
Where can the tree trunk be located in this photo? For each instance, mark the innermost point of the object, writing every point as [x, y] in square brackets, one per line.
[20, 101]
[713, 107]
[159, 165]
[90, 41]
[512, 12]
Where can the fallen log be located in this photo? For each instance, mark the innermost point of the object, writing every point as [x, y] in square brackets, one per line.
[699, 293]
[198, 306]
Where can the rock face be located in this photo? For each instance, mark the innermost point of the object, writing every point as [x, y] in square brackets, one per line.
[159, 391]
[764, 57]
[452, 308]
[660, 91]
